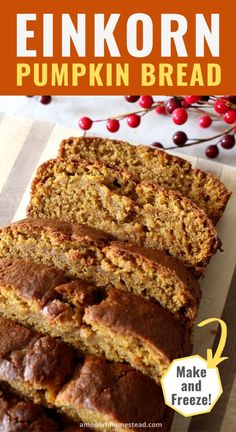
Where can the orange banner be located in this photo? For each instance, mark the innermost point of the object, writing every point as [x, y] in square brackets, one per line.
[109, 47]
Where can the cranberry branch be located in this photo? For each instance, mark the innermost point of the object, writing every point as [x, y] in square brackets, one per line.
[210, 109]
[179, 108]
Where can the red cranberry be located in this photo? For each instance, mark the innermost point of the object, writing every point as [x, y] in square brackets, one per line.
[45, 100]
[192, 99]
[179, 116]
[160, 109]
[133, 120]
[227, 141]
[157, 144]
[113, 125]
[172, 104]
[146, 101]
[212, 151]
[85, 123]
[132, 99]
[221, 106]
[205, 121]
[230, 116]
[179, 138]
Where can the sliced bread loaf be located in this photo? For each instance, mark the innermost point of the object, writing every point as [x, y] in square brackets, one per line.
[89, 390]
[154, 166]
[119, 324]
[93, 256]
[113, 201]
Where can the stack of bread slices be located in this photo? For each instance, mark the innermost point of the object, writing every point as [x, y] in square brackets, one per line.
[99, 286]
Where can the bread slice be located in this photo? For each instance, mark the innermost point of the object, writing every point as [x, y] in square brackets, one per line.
[154, 166]
[35, 365]
[113, 201]
[19, 415]
[120, 325]
[93, 256]
[116, 396]
[92, 390]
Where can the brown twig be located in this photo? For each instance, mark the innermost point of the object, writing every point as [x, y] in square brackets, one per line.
[202, 140]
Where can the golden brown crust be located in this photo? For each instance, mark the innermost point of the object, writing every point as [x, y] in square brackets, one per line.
[33, 281]
[92, 256]
[115, 392]
[137, 212]
[18, 415]
[64, 231]
[21, 415]
[153, 165]
[127, 314]
[43, 363]
[57, 306]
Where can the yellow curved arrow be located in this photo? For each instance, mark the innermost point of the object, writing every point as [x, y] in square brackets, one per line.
[213, 361]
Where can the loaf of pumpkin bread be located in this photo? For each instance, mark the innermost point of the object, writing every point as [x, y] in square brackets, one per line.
[115, 202]
[118, 324]
[88, 390]
[93, 256]
[154, 166]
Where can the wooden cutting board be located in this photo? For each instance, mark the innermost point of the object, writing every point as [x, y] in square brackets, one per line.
[25, 143]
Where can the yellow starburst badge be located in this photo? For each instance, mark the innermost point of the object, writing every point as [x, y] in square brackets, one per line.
[192, 385]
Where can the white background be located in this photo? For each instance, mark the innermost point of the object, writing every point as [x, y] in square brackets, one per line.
[66, 110]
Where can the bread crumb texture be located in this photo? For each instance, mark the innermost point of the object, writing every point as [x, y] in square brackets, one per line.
[113, 201]
[93, 256]
[154, 166]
